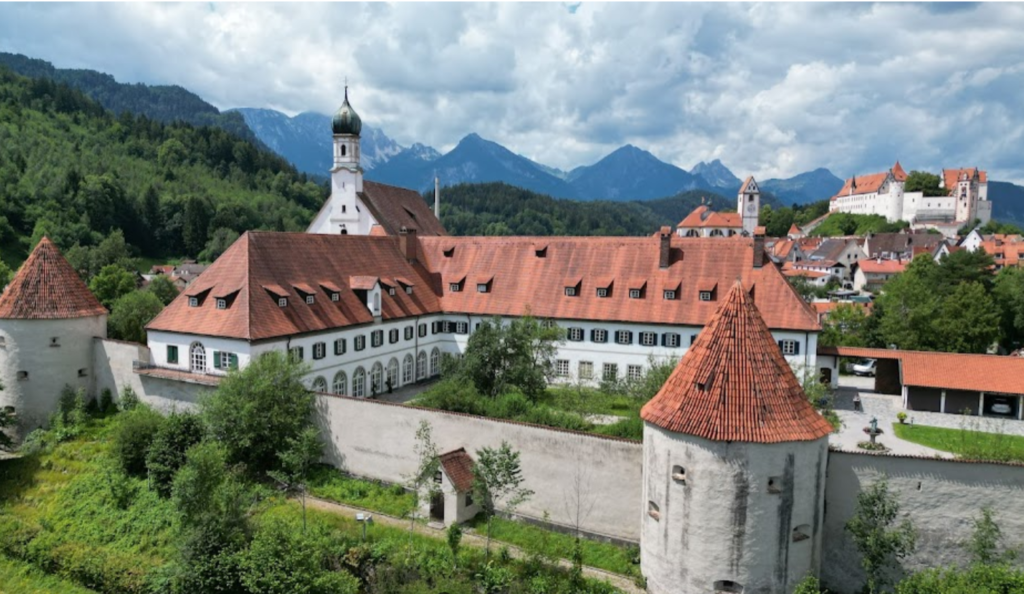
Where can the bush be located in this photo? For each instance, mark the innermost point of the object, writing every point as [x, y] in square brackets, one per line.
[133, 436]
[176, 434]
[129, 399]
[630, 428]
[282, 559]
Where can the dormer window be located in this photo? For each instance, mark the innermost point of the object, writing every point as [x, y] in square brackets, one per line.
[602, 293]
[408, 290]
[193, 302]
[541, 252]
[282, 302]
[335, 296]
[222, 303]
[391, 291]
[670, 295]
[310, 300]
[448, 253]
[454, 287]
[570, 291]
[481, 287]
[705, 295]
[634, 293]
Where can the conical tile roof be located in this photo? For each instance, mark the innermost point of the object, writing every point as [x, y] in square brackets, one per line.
[733, 384]
[47, 287]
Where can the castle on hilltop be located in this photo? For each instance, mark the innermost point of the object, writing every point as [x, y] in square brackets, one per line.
[883, 194]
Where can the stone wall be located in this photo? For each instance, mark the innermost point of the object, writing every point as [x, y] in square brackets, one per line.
[377, 440]
[113, 370]
[941, 498]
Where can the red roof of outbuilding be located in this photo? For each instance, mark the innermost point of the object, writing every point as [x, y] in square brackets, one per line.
[47, 287]
[459, 467]
[733, 384]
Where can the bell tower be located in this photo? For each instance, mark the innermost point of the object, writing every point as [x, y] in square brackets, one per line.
[748, 205]
[342, 213]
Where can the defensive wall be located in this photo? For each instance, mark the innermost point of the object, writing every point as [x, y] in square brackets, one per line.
[376, 440]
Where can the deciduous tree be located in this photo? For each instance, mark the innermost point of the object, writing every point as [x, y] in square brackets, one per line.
[881, 542]
[130, 313]
[497, 481]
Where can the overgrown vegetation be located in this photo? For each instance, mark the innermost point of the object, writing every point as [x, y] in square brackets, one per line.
[881, 542]
[844, 223]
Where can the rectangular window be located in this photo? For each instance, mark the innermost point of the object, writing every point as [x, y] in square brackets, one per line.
[222, 304]
[408, 290]
[672, 339]
[598, 335]
[282, 302]
[570, 291]
[172, 354]
[335, 296]
[705, 295]
[360, 342]
[562, 368]
[693, 339]
[393, 336]
[623, 337]
[634, 293]
[391, 291]
[377, 338]
[409, 330]
[310, 300]
[296, 353]
[423, 330]
[454, 287]
[586, 369]
[435, 327]
[575, 334]
[649, 338]
[602, 293]
[462, 327]
[319, 350]
[610, 372]
[670, 295]
[789, 347]
[340, 346]
[193, 302]
[481, 287]
[469, 500]
[634, 372]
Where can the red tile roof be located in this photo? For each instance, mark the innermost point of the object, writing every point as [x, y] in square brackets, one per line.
[950, 177]
[951, 371]
[898, 172]
[883, 266]
[458, 466]
[703, 216]
[395, 207]
[262, 266]
[863, 184]
[47, 287]
[524, 281]
[794, 230]
[733, 384]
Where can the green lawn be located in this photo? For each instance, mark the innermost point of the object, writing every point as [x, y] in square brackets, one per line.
[535, 539]
[965, 443]
[330, 484]
[18, 577]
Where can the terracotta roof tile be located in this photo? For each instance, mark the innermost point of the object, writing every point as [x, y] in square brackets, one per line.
[733, 384]
[883, 266]
[898, 172]
[950, 177]
[703, 216]
[47, 287]
[863, 184]
[458, 466]
[395, 207]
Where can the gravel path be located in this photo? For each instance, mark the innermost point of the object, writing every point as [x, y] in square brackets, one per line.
[469, 537]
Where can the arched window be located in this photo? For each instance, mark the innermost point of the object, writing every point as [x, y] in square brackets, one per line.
[716, 233]
[376, 378]
[376, 303]
[435, 362]
[197, 357]
[407, 370]
[421, 366]
[340, 383]
[342, 150]
[359, 383]
[393, 372]
[319, 384]
[692, 233]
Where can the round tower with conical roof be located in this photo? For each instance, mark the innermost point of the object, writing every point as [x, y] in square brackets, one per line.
[48, 322]
[734, 466]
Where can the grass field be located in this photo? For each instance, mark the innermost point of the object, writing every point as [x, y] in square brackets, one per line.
[330, 484]
[965, 443]
[17, 577]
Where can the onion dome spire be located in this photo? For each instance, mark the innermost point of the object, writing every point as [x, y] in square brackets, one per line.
[346, 120]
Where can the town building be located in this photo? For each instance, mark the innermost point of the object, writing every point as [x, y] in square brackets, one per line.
[871, 275]
[704, 222]
[884, 194]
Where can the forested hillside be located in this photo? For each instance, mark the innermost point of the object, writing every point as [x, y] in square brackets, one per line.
[501, 209]
[164, 103]
[73, 171]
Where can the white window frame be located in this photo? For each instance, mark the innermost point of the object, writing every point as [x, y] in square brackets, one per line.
[282, 302]
[454, 287]
[570, 291]
[319, 350]
[602, 293]
[788, 347]
[481, 287]
[310, 300]
[335, 296]
[623, 337]
[673, 339]
[339, 385]
[408, 371]
[562, 368]
[421, 365]
[634, 372]
[586, 369]
[599, 332]
[634, 293]
[222, 303]
[649, 338]
[359, 383]
[670, 295]
[704, 295]
[193, 302]
[575, 334]
[610, 372]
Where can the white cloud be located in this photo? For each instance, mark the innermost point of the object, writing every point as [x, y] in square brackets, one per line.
[771, 89]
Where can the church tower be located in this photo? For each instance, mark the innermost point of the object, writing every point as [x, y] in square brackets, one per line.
[748, 204]
[733, 466]
[343, 212]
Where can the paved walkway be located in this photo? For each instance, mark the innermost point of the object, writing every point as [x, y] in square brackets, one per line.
[469, 537]
[406, 393]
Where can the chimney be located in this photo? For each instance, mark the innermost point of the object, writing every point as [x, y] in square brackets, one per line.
[407, 243]
[665, 247]
[758, 250]
[437, 198]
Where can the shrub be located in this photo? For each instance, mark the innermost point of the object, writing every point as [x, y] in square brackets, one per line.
[129, 399]
[282, 559]
[176, 434]
[133, 435]
[107, 405]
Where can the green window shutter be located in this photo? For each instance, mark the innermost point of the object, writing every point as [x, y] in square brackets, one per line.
[172, 354]
[233, 361]
[216, 359]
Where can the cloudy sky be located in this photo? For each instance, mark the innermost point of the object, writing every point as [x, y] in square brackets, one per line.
[770, 89]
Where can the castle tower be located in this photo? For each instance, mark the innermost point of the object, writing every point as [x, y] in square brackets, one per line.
[48, 320]
[748, 204]
[734, 466]
[342, 214]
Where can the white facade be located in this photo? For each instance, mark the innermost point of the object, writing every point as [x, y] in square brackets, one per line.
[344, 212]
[730, 517]
[421, 341]
[39, 357]
[748, 204]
